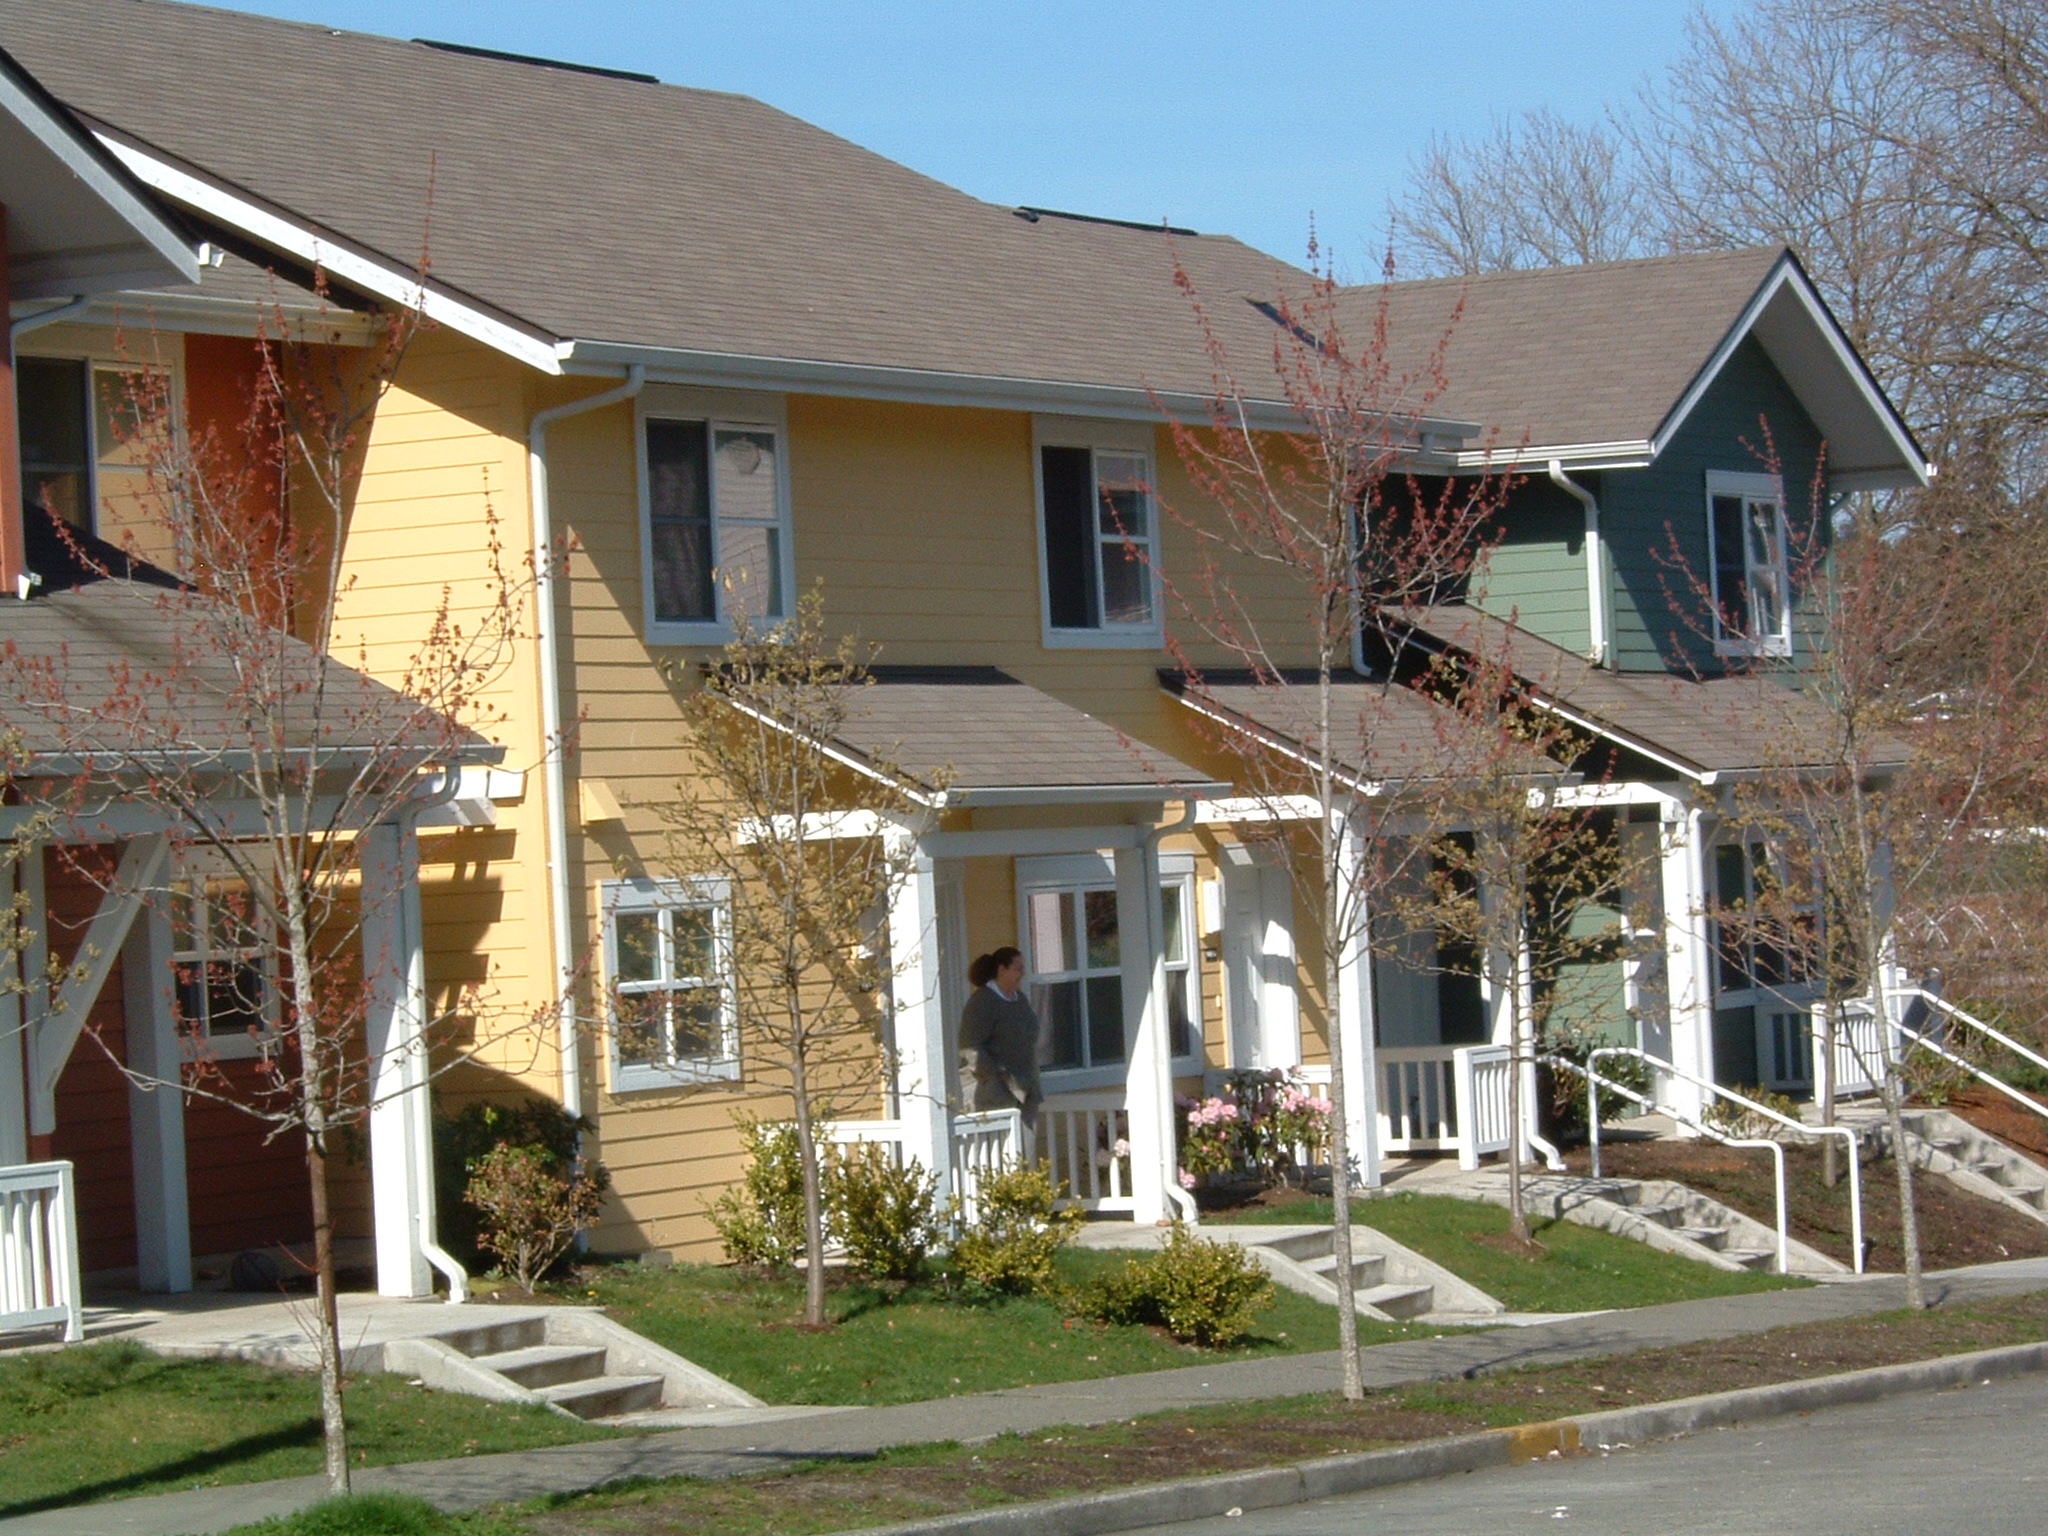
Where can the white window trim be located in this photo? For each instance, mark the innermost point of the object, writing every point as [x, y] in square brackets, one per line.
[199, 865]
[1752, 487]
[647, 895]
[100, 350]
[1123, 438]
[1069, 871]
[717, 409]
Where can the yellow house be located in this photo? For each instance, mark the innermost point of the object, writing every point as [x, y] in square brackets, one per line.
[721, 357]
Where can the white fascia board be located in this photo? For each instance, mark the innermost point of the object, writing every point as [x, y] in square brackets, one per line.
[1083, 794]
[1279, 745]
[195, 313]
[1633, 453]
[352, 267]
[180, 261]
[1786, 275]
[868, 381]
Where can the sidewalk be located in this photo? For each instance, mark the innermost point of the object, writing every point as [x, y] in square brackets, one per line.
[854, 1432]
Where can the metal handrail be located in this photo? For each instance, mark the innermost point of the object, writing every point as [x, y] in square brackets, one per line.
[1595, 1082]
[1936, 1000]
[1855, 1167]
[1989, 1078]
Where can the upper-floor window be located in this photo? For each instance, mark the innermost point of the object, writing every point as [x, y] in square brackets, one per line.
[716, 525]
[1752, 582]
[88, 435]
[668, 962]
[1099, 536]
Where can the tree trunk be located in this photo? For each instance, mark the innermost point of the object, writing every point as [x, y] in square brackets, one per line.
[1909, 1218]
[333, 1427]
[814, 1189]
[1340, 1197]
[1830, 1154]
[1518, 1150]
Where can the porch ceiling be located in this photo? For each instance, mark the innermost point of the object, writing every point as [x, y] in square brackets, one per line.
[1700, 726]
[987, 738]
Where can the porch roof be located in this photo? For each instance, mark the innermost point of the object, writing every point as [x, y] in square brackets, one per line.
[1699, 726]
[989, 739]
[1386, 732]
[116, 667]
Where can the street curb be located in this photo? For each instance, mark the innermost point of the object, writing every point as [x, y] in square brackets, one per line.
[1124, 1509]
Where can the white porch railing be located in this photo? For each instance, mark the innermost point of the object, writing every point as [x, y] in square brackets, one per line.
[1418, 1099]
[1083, 1139]
[39, 1249]
[1479, 1074]
[984, 1144]
[1858, 1054]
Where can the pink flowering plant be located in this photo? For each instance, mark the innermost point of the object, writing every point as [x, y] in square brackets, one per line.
[1269, 1124]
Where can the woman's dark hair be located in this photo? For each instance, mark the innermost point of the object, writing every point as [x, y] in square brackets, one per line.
[984, 967]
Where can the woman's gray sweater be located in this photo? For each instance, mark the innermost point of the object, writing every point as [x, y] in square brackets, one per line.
[1002, 1036]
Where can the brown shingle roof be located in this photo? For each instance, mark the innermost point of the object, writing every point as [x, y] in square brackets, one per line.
[1570, 355]
[1700, 725]
[977, 729]
[114, 671]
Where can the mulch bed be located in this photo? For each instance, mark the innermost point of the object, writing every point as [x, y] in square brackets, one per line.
[1996, 1115]
[1956, 1227]
[922, 1482]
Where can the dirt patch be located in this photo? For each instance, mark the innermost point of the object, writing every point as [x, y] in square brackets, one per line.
[1996, 1115]
[1508, 1243]
[1956, 1227]
[904, 1485]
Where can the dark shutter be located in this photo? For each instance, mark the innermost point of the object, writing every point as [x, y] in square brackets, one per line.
[1069, 478]
[679, 514]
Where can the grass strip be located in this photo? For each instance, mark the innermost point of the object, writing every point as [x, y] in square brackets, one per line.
[921, 1481]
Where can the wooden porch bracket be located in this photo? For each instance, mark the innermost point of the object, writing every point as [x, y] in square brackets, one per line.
[52, 1037]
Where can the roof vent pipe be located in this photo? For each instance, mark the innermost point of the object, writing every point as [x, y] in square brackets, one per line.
[1600, 650]
[556, 777]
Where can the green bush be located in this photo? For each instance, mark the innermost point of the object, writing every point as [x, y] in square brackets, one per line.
[886, 1215]
[1564, 1098]
[1017, 1231]
[534, 1205]
[361, 1514]
[761, 1219]
[1200, 1291]
[461, 1139]
[1734, 1119]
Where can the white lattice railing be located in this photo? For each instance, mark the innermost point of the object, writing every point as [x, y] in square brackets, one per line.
[1859, 1050]
[1084, 1142]
[984, 1144]
[1418, 1099]
[1479, 1077]
[39, 1249]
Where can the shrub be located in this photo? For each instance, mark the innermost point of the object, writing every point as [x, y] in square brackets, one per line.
[886, 1215]
[1202, 1292]
[1564, 1095]
[761, 1219]
[1734, 1119]
[1017, 1232]
[1260, 1123]
[534, 1206]
[461, 1139]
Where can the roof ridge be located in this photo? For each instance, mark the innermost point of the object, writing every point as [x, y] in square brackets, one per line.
[1568, 270]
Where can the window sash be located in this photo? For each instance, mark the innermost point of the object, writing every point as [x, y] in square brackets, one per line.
[717, 520]
[1098, 540]
[1076, 976]
[1751, 579]
[675, 1018]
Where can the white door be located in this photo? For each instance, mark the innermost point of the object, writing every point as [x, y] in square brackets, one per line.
[1258, 960]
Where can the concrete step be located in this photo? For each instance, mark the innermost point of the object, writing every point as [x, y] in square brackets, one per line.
[1715, 1238]
[1671, 1216]
[601, 1397]
[1400, 1300]
[497, 1338]
[1366, 1268]
[1752, 1258]
[546, 1365]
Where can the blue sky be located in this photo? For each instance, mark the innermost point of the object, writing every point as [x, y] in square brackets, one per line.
[1242, 118]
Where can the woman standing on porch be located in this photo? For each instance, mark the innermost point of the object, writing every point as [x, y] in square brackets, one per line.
[999, 1035]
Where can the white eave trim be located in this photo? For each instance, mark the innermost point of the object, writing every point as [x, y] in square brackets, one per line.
[365, 273]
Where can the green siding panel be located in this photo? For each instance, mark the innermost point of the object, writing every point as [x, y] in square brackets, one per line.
[1536, 575]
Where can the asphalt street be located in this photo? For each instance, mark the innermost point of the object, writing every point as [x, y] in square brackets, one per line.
[1972, 1459]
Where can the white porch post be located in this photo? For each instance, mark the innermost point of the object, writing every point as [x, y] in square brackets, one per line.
[1355, 1024]
[1688, 969]
[1148, 1080]
[13, 1043]
[398, 1153]
[156, 1113]
[924, 1074]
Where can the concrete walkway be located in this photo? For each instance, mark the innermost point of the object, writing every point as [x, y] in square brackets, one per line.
[735, 1451]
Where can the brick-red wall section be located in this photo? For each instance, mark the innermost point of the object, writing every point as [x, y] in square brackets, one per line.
[241, 1192]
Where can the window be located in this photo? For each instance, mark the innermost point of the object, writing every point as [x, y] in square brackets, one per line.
[1074, 954]
[86, 445]
[668, 957]
[1748, 944]
[1752, 584]
[717, 544]
[1100, 541]
[220, 956]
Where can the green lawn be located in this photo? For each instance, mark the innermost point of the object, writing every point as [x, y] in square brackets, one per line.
[108, 1421]
[927, 1342]
[1581, 1269]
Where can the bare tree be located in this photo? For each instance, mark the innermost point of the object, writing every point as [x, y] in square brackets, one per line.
[1302, 535]
[266, 756]
[799, 855]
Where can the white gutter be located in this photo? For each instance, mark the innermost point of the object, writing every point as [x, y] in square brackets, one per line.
[42, 317]
[555, 779]
[1600, 652]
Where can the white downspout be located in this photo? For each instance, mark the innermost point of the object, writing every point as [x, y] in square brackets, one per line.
[1155, 918]
[1600, 651]
[555, 778]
